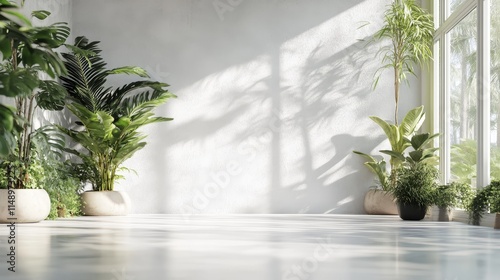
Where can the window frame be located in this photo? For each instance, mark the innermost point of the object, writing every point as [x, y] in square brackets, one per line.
[440, 77]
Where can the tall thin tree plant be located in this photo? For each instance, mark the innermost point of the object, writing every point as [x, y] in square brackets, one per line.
[410, 29]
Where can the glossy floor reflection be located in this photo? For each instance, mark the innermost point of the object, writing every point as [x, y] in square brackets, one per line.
[253, 247]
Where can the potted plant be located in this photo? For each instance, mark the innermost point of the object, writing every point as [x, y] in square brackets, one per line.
[417, 178]
[109, 122]
[379, 200]
[486, 200]
[414, 190]
[450, 196]
[410, 30]
[28, 56]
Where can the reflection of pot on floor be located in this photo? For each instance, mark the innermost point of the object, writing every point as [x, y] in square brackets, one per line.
[380, 202]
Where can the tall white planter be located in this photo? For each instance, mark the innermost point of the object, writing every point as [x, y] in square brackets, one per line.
[30, 206]
[105, 203]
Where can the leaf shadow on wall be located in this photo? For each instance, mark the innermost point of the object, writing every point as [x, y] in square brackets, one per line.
[322, 105]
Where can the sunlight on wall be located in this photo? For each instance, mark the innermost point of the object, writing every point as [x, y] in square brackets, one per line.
[273, 98]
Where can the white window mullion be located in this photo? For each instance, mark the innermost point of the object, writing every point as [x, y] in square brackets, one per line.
[445, 157]
[483, 94]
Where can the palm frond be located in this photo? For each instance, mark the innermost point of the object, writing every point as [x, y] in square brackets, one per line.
[110, 116]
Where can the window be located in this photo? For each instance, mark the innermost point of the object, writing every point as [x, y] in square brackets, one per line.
[462, 98]
[462, 84]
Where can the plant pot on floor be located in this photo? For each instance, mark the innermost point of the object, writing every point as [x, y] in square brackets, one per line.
[105, 203]
[497, 221]
[445, 214]
[30, 206]
[379, 202]
[61, 212]
[410, 212]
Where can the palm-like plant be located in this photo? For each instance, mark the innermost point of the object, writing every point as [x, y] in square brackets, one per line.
[410, 29]
[110, 116]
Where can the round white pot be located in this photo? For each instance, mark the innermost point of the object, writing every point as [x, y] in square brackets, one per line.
[105, 203]
[30, 206]
[379, 202]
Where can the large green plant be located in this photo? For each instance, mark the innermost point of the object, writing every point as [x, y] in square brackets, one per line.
[410, 29]
[110, 116]
[399, 138]
[28, 57]
[13, 27]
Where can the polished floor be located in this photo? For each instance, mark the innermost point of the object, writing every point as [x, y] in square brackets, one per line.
[250, 247]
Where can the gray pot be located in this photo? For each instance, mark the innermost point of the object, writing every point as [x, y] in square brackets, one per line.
[445, 214]
[497, 221]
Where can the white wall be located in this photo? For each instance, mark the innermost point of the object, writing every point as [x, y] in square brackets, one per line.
[273, 97]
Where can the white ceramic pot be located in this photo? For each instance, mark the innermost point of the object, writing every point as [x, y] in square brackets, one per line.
[379, 202]
[105, 203]
[30, 206]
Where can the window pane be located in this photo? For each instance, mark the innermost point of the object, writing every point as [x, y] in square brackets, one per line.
[463, 99]
[454, 5]
[495, 90]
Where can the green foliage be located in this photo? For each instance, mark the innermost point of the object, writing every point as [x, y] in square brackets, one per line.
[421, 153]
[47, 171]
[416, 184]
[377, 167]
[110, 116]
[410, 29]
[45, 148]
[398, 136]
[27, 52]
[63, 191]
[455, 194]
[463, 165]
[487, 198]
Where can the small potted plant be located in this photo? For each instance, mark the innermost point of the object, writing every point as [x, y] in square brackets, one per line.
[486, 200]
[415, 189]
[417, 178]
[450, 196]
